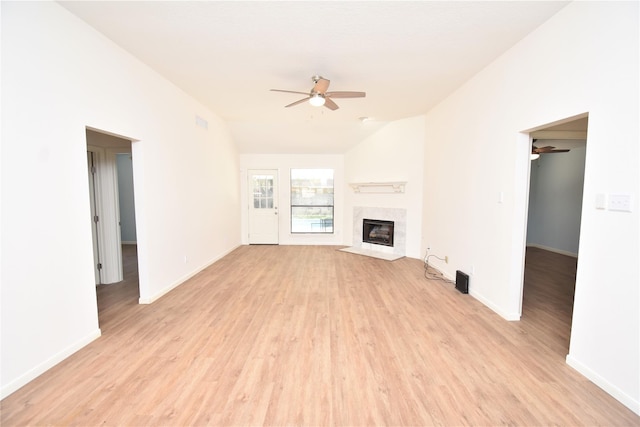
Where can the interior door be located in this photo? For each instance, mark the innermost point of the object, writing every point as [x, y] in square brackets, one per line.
[94, 223]
[263, 207]
[106, 215]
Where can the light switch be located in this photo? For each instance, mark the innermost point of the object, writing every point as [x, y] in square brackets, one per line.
[601, 201]
[620, 202]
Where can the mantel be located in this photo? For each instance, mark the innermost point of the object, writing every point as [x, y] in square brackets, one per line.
[378, 187]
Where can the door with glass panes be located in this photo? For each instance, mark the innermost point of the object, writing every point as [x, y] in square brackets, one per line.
[263, 207]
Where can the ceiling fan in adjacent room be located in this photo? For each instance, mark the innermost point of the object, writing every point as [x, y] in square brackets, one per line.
[318, 96]
[535, 151]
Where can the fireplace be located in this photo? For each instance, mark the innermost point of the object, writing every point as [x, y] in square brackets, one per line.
[377, 231]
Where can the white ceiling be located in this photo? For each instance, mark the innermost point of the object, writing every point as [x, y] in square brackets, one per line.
[407, 56]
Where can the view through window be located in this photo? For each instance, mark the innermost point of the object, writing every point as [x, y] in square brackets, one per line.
[312, 200]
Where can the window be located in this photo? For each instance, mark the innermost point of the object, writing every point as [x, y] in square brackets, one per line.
[312, 200]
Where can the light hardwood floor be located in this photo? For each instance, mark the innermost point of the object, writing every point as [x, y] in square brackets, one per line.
[308, 335]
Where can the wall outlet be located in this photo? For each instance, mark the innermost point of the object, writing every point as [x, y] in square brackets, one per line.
[446, 259]
[620, 202]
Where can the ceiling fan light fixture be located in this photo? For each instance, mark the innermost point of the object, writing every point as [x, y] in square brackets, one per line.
[317, 100]
[534, 156]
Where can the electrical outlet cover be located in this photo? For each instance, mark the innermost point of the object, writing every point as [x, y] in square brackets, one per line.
[620, 202]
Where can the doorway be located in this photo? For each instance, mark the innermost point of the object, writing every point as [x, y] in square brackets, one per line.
[556, 181]
[263, 207]
[112, 203]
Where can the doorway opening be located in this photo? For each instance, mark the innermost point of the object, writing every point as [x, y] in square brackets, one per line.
[110, 171]
[556, 181]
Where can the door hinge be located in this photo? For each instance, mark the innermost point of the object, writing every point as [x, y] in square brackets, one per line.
[99, 266]
[93, 170]
[95, 218]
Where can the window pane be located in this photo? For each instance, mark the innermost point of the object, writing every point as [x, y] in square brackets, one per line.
[312, 219]
[312, 187]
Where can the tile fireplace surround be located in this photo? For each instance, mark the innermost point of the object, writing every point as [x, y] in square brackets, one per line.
[398, 216]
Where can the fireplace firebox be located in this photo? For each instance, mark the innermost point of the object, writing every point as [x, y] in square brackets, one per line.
[377, 231]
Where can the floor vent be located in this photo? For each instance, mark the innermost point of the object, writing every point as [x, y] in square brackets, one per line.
[462, 282]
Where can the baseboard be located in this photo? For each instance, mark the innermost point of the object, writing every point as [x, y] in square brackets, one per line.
[512, 317]
[558, 251]
[153, 298]
[443, 273]
[129, 242]
[41, 368]
[601, 382]
[507, 316]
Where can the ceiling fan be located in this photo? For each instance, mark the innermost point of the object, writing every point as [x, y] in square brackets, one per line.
[546, 150]
[318, 96]
[535, 151]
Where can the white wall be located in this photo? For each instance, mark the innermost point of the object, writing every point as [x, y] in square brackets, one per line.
[394, 153]
[58, 77]
[555, 201]
[476, 164]
[283, 163]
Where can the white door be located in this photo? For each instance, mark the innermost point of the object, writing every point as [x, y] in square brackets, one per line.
[263, 207]
[94, 217]
[106, 215]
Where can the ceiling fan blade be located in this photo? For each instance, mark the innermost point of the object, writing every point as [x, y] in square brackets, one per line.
[297, 102]
[546, 149]
[321, 85]
[330, 104]
[289, 91]
[345, 94]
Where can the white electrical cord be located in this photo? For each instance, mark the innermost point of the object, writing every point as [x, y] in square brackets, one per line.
[430, 275]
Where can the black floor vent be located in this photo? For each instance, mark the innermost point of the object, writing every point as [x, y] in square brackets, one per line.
[462, 282]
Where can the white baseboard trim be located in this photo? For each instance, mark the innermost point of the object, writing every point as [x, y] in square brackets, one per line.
[444, 274]
[558, 251]
[507, 316]
[512, 317]
[41, 368]
[153, 298]
[601, 382]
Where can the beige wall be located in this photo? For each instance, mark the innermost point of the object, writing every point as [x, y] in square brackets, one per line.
[394, 153]
[583, 60]
[60, 76]
[283, 163]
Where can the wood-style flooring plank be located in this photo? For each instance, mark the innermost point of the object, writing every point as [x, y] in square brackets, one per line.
[309, 335]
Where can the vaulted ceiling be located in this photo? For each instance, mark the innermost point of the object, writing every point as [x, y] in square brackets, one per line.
[407, 57]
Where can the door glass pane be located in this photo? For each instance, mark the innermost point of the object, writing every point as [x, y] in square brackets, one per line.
[262, 192]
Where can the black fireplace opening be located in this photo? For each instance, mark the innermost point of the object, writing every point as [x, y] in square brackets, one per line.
[377, 231]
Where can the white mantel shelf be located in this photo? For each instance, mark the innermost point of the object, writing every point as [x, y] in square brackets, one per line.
[378, 187]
